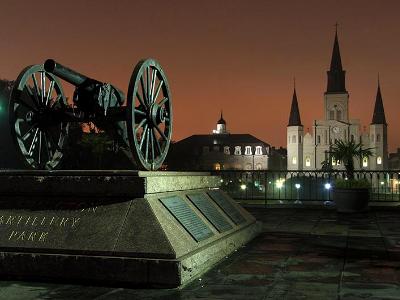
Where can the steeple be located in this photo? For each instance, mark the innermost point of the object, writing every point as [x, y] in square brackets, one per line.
[336, 74]
[221, 120]
[294, 118]
[379, 111]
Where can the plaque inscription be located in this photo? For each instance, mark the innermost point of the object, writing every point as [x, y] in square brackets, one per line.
[184, 214]
[226, 206]
[209, 210]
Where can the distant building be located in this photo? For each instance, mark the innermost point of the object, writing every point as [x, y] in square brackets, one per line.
[394, 160]
[308, 150]
[224, 151]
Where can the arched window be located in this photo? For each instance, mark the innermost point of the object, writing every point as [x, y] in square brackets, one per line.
[247, 150]
[331, 115]
[333, 161]
[238, 150]
[379, 160]
[258, 166]
[378, 138]
[339, 115]
[248, 166]
[258, 150]
[294, 160]
[217, 166]
[227, 150]
[308, 161]
[365, 162]
[294, 139]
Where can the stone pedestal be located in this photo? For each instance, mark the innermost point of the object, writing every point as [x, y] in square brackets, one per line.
[133, 228]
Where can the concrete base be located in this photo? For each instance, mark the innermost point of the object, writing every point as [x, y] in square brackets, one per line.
[133, 228]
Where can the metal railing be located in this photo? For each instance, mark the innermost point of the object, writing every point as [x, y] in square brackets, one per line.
[262, 186]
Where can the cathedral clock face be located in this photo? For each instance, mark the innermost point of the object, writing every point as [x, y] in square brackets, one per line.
[336, 129]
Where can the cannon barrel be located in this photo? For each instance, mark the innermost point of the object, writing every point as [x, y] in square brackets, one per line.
[65, 73]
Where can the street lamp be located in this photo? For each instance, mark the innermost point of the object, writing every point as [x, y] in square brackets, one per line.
[327, 186]
[297, 186]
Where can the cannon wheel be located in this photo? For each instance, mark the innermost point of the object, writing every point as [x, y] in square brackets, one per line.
[38, 135]
[149, 115]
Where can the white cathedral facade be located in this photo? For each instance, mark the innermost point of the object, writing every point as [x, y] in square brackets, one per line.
[307, 151]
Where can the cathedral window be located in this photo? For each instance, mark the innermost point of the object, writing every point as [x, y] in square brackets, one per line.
[308, 161]
[338, 162]
[248, 167]
[333, 161]
[331, 115]
[227, 150]
[247, 150]
[258, 150]
[339, 115]
[379, 160]
[294, 139]
[365, 162]
[258, 166]
[238, 150]
[217, 166]
[318, 139]
[294, 160]
[378, 137]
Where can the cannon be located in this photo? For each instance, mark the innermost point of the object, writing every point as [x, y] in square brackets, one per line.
[40, 115]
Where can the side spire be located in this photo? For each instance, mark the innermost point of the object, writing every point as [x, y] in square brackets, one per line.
[294, 117]
[379, 111]
[336, 74]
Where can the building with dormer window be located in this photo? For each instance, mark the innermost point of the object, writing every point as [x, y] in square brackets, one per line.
[222, 150]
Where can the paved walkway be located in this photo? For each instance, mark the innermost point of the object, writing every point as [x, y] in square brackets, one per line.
[301, 254]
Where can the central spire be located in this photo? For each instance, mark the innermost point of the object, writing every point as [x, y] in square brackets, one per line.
[379, 112]
[336, 74]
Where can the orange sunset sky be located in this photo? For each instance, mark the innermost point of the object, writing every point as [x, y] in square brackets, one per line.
[239, 56]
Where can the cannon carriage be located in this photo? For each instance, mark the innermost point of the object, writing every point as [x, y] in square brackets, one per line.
[40, 116]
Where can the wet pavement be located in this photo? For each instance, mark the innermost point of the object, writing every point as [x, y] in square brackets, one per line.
[301, 254]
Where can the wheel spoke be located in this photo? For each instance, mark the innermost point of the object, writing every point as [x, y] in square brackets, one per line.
[152, 146]
[147, 146]
[56, 100]
[140, 100]
[50, 91]
[143, 137]
[153, 83]
[165, 99]
[148, 86]
[43, 87]
[139, 112]
[157, 142]
[27, 134]
[22, 101]
[36, 87]
[54, 142]
[33, 96]
[143, 92]
[140, 125]
[40, 147]
[158, 90]
[48, 149]
[33, 142]
[161, 133]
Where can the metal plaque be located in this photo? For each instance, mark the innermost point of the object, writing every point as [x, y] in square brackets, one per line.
[184, 214]
[227, 206]
[210, 211]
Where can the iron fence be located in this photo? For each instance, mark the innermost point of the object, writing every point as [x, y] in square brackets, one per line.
[299, 186]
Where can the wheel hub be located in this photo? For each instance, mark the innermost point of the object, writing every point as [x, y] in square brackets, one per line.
[157, 114]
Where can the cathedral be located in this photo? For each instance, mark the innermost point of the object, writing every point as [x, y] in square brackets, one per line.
[307, 151]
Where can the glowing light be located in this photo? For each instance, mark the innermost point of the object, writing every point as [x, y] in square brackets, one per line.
[327, 186]
[297, 185]
[279, 183]
[243, 187]
[382, 182]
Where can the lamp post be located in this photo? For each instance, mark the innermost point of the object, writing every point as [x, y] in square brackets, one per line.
[297, 186]
[327, 187]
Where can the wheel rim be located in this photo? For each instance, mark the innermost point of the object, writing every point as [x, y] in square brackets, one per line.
[39, 135]
[149, 115]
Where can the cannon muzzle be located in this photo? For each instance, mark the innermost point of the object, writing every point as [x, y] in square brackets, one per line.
[65, 73]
